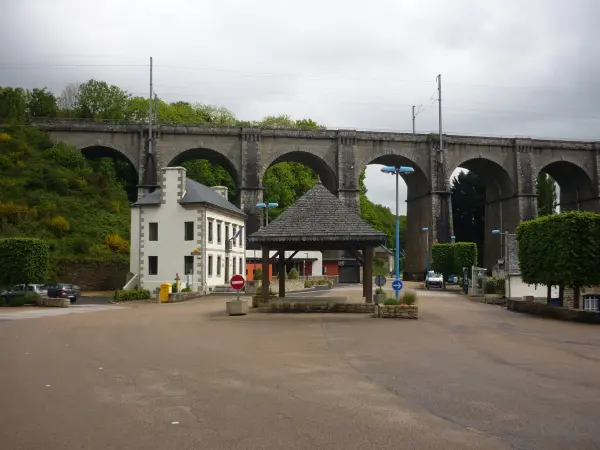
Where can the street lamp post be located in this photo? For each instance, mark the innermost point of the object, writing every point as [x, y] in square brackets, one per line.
[426, 230]
[267, 206]
[453, 239]
[397, 171]
[499, 232]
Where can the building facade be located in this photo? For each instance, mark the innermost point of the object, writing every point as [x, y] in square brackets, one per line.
[307, 263]
[188, 231]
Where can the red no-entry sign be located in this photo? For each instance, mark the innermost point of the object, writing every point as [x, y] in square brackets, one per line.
[237, 282]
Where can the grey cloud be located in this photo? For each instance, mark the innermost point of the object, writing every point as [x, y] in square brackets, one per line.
[343, 63]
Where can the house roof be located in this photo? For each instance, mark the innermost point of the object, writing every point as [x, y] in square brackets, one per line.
[195, 193]
[318, 217]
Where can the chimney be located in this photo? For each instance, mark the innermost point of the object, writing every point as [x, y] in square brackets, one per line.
[221, 190]
[172, 184]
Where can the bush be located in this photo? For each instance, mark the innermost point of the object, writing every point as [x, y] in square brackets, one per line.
[410, 297]
[390, 301]
[59, 224]
[257, 273]
[561, 250]
[186, 289]
[23, 260]
[442, 256]
[379, 290]
[25, 299]
[259, 291]
[134, 294]
[494, 285]
[465, 255]
[116, 243]
[293, 274]
[308, 283]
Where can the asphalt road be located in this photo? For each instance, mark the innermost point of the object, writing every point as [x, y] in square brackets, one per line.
[179, 376]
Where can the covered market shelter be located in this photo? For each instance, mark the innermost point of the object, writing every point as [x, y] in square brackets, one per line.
[318, 221]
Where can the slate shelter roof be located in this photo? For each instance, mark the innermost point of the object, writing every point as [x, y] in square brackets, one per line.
[195, 194]
[318, 217]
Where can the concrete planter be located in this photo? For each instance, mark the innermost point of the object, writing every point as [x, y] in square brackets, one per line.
[237, 307]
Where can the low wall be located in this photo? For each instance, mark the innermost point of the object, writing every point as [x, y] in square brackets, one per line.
[182, 296]
[290, 286]
[94, 276]
[55, 302]
[278, 306]
[396, 312]
[554, 312]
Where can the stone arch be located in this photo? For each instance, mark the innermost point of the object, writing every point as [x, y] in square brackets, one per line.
[322, 168]
[210, 155]
[499, 182]
[418, 182]
[576, 184]
[98, 149]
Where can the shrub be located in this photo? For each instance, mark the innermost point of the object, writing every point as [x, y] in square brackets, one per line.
[23, 260]
[410, 297]
[293, 274]
[465, 255]
[257, 273]
[59, 224]
[379, 290]
[494, 285]
[259, 291]
[25, 299]
[65, 155]
[134, 294]
[308, 283]
[186, 289]
[116, 243]
[561, 250]
[390, 301]
[442, 256]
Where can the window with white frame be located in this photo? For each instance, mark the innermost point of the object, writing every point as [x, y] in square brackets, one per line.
[590, 302]
[210, 232]
[240, 266]
[234, 266]
[210, 265]
[218, 265]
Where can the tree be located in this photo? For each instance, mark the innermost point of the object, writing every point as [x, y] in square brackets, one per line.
[116, 243]
[68, 102]
[468, 208]
[546, 194]
[98, 100]
[13, 105]
[41, 103]
[561, 250]
[23, 260]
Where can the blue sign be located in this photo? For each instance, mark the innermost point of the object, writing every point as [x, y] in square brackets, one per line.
[397, 285]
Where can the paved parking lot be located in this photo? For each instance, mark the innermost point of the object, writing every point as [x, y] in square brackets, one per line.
[464, 376]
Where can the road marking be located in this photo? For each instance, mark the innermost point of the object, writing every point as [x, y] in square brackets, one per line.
[174, 423]
[48, 385]
[100, 368]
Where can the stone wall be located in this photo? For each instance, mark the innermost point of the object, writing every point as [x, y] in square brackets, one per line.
[555, 312]
[396, 312]
[94, 276]
[55, 302]
[278, 306]
[182, 296]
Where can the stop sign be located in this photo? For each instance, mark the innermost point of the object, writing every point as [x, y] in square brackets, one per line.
[237, 282]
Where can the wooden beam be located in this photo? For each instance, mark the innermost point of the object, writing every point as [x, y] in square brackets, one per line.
[293, 254]
[281, 273]
[274, 258]
[265, 274]
[368, 274]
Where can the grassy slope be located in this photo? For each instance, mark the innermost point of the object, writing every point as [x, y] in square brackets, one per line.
[52, 192]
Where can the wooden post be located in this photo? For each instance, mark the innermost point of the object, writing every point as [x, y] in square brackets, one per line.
[281, 273]
[368, 274]
[265, 274]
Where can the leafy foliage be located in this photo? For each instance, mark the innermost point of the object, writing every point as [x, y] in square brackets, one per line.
[133, 294]
[50, 191]
[465, 255]
[468, 208]
[546, 194]
[116, 243]
[292, 274]
[23, 260]
[29, 298]
[442, 259]
[561, 250]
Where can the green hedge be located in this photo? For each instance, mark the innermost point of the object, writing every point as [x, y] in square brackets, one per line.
[561, 250]
[450, 259]
[134, 294]
[23, 260]
[25, 299]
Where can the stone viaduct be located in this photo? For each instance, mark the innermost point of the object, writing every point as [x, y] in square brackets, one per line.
[508, 166]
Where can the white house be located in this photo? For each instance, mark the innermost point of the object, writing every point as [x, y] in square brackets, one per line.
[181, 218]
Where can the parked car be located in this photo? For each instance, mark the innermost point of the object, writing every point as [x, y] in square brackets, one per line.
[19, 289]
[434, 280]
[64, 290]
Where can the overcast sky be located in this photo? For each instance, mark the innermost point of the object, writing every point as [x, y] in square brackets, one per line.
[510, 67]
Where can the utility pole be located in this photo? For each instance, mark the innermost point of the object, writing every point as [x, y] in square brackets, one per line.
[439, 80]
[156, 108]
[413, 118]
[150, 111]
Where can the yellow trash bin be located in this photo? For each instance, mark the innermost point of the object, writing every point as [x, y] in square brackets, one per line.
[165, 290]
